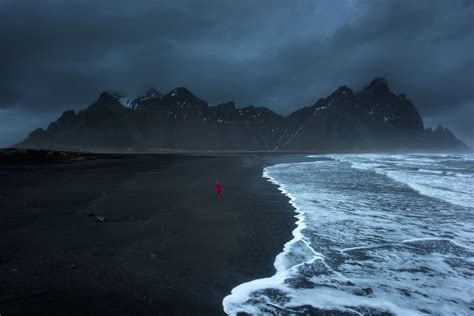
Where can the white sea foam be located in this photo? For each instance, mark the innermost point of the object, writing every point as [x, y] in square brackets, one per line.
[283, 262]
[363, 242]
[408, 169]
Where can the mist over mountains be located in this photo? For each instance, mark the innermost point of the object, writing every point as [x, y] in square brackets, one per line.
[374, 119]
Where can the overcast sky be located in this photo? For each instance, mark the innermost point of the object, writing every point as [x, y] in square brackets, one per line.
[59, 55]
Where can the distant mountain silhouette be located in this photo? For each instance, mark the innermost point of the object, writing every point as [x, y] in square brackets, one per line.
[372, 120]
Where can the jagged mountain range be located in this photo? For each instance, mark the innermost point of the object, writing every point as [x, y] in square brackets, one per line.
[374, 119]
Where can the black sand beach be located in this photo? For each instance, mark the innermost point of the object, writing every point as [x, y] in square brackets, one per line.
[168, 245]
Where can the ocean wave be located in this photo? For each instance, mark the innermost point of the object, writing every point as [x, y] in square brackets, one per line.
[407, 170]
[364, 244]
[295, 252]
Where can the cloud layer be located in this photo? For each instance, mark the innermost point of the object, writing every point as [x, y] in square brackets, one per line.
[282, 54]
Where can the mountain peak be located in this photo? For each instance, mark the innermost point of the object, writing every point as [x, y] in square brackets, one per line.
[181, 95]
[180, 91]
[152, 92]
[379, 81]
[342, 91]
[108, 96]
[378, 86]
[439, 128]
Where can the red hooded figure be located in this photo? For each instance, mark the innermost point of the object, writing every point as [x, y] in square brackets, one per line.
[218, 189]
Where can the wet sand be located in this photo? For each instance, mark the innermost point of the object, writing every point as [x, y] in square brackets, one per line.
[168, 245]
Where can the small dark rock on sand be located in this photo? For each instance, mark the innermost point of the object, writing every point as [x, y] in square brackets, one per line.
[101, 219]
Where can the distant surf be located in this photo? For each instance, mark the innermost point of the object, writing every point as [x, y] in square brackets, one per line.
[376, 234]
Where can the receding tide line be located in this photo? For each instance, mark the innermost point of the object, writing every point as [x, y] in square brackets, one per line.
[234, 302]
[241, 294]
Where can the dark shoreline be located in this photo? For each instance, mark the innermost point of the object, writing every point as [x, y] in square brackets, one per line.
[168, 245]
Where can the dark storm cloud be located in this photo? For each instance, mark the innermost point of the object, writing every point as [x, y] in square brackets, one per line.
[284, 54]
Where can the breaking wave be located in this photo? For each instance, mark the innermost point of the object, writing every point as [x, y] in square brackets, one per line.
[376, 234]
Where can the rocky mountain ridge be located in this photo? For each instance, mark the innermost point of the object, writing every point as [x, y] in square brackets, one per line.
[373, 120]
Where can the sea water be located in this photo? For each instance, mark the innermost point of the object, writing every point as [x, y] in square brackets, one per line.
[388, 234]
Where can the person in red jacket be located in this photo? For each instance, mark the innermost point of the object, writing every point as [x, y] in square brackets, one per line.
[218, 189]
